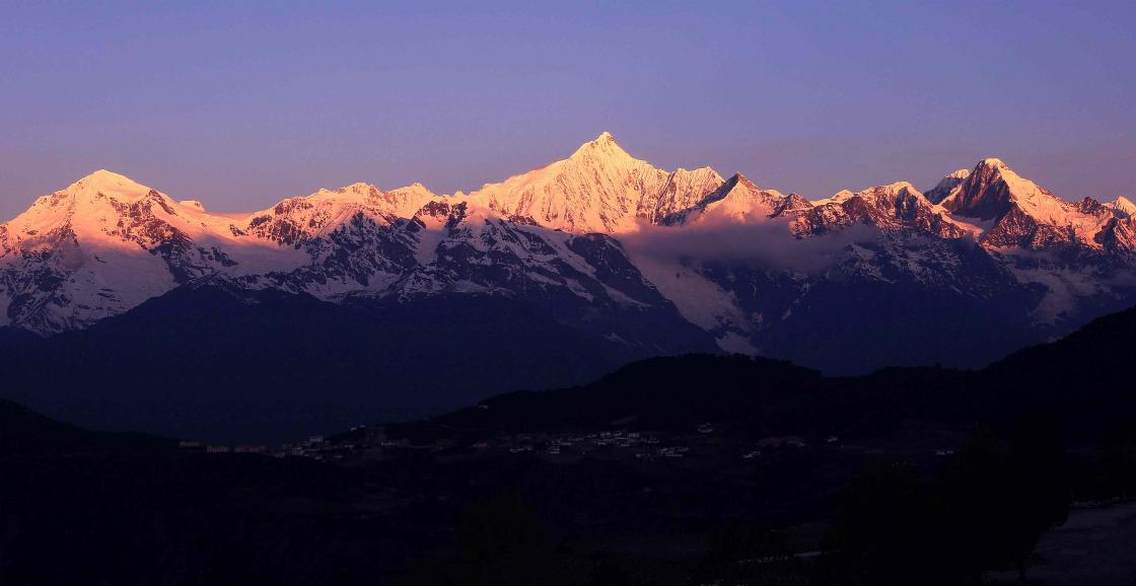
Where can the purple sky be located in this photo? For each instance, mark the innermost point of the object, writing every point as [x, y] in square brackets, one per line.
[241, 106]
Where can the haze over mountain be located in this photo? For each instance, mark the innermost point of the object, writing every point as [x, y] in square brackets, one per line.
[604, 256]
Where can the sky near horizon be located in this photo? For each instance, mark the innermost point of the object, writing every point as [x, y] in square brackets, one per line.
[240, 105]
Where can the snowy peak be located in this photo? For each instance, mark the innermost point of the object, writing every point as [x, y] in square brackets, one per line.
[838, 197]
[599, 188]
[407, 200]
[737, 200]
[106, 180]
[738, 179]
[878, 195]
[683, 190]
[986, 193]
[603, 152]
[105, 183]
[602, 146]
[296, 221]
[96, 195]
[947, 185]
[359, 193]
[1022, 213]
[794, 203]
[993, 189]
[905, 204]
[96, 248]
[900, 197]
[895, 208]
[358, 188]
[740, 187]
[106, 243]
[103, 206]
[991, 163]
[415, 189]
[737, 187]
[1123, 206]
[893, 190]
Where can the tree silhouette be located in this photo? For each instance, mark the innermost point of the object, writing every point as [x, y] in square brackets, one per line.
[987, 511]
[1039, 477]
[883, 533]
[1001, 496]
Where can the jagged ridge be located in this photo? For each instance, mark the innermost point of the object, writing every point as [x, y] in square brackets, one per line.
[106, 243]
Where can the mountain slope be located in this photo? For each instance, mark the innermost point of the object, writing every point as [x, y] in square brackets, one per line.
[755, 397]
[736, 200]
[1023, 213]
[216, 361]
[1123, 205]
[599, 188]
[612, 248]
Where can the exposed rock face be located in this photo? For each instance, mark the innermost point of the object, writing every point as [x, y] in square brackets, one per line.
[787, 277]
[894, 207]
[1022, 213]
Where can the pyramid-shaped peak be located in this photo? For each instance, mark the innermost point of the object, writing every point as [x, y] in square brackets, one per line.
[105, 174]
[1124, 205]
[990, 169]
[994, 169]
[993, 189]
[739, 178]
[991, 163]
[603, 146]
[740, 185]
[105, 177]
[110, 183]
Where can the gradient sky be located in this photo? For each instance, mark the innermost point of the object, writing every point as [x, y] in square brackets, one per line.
[242, 105]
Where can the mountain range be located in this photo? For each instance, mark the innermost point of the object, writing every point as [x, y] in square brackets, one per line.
[548, 278]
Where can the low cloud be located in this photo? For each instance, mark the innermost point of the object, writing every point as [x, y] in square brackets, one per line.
[760, 245]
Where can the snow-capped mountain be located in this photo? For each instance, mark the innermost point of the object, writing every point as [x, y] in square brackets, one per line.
[736, 200]
[102, 246]
[600, 188]
[656, 261]
[1123, 206]
[1023, 214]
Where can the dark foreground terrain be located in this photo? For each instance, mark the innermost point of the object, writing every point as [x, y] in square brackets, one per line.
[688, 470]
